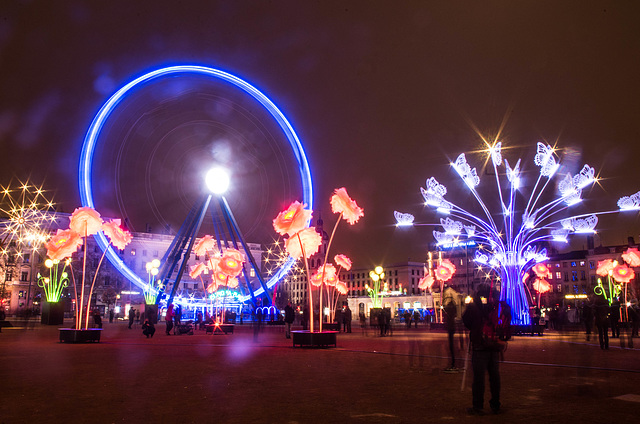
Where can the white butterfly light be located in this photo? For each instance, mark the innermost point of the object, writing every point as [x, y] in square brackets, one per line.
[403, 219]
[545, 160]
[468, 174]
[629, 202]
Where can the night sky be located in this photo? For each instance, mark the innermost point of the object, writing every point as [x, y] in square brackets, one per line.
[383, 94]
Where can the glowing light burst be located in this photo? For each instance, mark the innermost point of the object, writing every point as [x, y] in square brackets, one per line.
[510, 238]
[28, 215]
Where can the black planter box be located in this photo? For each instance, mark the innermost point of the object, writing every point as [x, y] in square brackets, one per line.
[151, 313]
[52, 313]
[71, 335]
[315, 340]
[331, 326]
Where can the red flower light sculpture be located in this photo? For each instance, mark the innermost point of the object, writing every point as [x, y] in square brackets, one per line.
[623, 274]
[343, 204]
[292, 220]
[541, 270]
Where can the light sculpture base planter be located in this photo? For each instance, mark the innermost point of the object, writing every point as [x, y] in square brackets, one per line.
[314, 340]
[71, 335]
[52, 313]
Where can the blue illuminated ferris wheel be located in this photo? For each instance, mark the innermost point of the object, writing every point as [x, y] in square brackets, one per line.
[221, 209]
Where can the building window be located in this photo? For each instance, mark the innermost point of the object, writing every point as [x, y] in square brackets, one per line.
[573, 264]
[558, 275]
[566, 276]
[583, 275]
[581, 263]
[25, 258]
[107, 280]
[133, 252]
[24, 276]
[144, 253]
[574, 276]
[592, 265]
[155, 253]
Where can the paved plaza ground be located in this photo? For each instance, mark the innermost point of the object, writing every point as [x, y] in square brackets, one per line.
[557, 378]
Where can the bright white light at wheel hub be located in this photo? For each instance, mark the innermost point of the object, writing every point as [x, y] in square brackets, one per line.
[217, 180]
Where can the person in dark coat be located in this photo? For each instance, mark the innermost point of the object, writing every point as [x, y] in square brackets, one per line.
[601, 313]
[481, 319]
[148, 329]
[289, 317]
[614, 317]
[587, 318]
[132, 316]
[450, 313]
[347, 316]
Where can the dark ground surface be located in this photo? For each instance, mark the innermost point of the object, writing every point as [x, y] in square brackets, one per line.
[557, 378]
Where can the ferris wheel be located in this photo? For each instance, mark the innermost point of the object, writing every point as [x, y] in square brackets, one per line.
[168, 133]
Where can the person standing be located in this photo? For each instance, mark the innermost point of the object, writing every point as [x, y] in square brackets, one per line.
[132, 316]
[168, 319]
[347, 319]
[481, 320]
[407, 318]
[111, 314]
[587, 317]
[416, 318]
[289, 317]
[601, 312]
[450, 312]
[614, 316]
[257, 322]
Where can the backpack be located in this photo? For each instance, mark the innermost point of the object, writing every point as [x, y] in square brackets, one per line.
[491, 339]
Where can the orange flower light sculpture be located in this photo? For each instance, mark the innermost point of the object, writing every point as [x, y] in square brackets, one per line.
[206, 244]
[341, 287]
[63, 244]
[541, 285]
[343, 262]
[308, 238]
[119, 238]
[292, 220]
[632, 257]
[445, 270]
[85, 221]
[426, 282]
[231, 262]
[196, 270]
[341, 203]
[623, 274]
[604, 267]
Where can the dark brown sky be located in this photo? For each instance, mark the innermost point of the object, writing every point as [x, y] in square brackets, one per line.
[382, 94]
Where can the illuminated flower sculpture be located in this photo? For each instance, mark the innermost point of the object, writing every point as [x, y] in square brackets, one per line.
[304, 241]
[83, 222]
[445, 270]
[511, 237]
[426, 282]
[632, 257]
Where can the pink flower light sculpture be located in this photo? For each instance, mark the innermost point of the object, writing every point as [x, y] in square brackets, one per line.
[85, 221]
[541, 285]
[343, 262]
[343, 204]
[426, 282]
[309, 239]
[119, 238]
[604, 267]
[341, 287]
[632, 257]
[196, 270]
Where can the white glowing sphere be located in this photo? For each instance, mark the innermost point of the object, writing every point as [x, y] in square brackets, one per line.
[217, 180]
[155, 263]
[48, 263]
